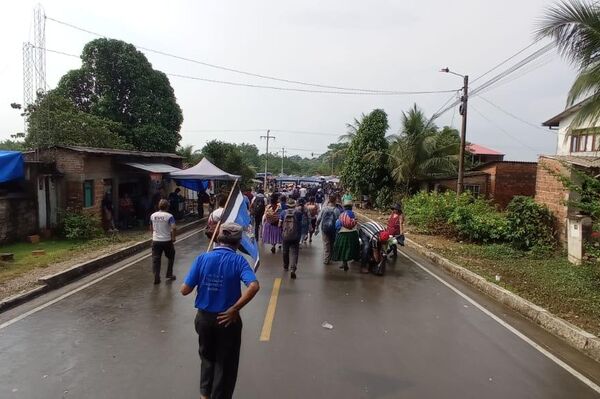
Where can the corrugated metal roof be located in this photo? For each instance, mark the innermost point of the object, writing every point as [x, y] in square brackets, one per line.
[153, 167]
[477, 149]
[113, 151]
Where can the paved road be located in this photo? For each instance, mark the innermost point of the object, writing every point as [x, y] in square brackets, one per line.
[405, 335]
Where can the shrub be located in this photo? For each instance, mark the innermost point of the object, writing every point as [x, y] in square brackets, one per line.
[429, 212]
[77, 226]
[477, 221]
[384, 198]
[530, 225]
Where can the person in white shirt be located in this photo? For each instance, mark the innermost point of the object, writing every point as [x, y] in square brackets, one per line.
[215, 217]
[163, 240]
[303, 192]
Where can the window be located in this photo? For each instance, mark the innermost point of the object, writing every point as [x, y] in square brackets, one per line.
[583, 140]
[473, 188]
[88, 193]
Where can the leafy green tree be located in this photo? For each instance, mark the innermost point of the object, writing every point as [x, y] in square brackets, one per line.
[575, 28]
[54, 120]
[228, 157]
[420, 151]
[250, 155]
[116, 82]
[359, 174]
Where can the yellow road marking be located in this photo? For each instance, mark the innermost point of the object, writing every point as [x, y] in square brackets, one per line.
[265, 335]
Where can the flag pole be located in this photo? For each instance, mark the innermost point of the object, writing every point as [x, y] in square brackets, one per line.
[214, 235]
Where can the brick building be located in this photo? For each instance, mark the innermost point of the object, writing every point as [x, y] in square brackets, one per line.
[499, 181]
[480, 154]
[88, 174]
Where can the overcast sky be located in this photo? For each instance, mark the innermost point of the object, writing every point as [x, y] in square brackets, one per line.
[386, 45]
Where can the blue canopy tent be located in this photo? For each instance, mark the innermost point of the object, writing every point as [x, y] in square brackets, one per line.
[197, 177]
[11, 166]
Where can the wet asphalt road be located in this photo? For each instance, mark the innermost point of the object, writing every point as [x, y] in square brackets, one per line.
[405, 335]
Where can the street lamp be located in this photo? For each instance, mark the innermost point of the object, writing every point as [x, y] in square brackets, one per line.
[463, 131]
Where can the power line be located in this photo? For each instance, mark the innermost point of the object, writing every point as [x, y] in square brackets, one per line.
[506, 60]
[514, 116]
[504, 130]
[294, 89]
[258, 75]
[301, 132]
[489, 83]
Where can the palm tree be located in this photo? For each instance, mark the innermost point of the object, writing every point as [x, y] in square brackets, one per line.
[575, 28]
[420, 151]
[351, 130]
[190, 157]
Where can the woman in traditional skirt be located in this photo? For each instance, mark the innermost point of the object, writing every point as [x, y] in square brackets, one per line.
[346, 246]
[271, 230]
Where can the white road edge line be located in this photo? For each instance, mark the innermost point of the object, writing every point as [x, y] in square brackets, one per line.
[510, 328]
[83, 287]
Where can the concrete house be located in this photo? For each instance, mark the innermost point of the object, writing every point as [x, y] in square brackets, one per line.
[576, 147]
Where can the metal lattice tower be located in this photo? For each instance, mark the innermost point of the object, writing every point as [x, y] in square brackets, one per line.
[28, 96]
[39, 41]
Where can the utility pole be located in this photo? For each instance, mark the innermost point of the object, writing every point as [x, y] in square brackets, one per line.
[282, 157]
[463, 131]
[267, 137]
[463, 136]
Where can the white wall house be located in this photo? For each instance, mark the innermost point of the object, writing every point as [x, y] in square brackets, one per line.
[582, 140]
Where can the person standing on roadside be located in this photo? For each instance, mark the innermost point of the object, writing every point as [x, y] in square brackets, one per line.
[163, 240]
[290, 222]
[219, 299]
[326, 222]
[215, 216]
[313, 211]
[257, 210]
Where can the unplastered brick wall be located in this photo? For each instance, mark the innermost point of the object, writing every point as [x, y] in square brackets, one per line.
[512, 179]
[18, 218]
[551, 192]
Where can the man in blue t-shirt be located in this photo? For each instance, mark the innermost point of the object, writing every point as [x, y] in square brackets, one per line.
[219, 299]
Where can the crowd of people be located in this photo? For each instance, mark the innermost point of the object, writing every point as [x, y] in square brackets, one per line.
[289, 218]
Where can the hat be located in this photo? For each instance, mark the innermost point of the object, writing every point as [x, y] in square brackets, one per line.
[397, 207]
[230, 232]
[291, 202]
[347, 202]
[384, 236]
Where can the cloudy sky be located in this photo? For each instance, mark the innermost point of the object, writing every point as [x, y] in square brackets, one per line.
[377, 44]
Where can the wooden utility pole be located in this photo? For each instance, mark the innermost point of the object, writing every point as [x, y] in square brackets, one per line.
[463, 136]
[267, 137]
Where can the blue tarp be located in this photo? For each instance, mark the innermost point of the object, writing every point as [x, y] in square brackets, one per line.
[11, 166]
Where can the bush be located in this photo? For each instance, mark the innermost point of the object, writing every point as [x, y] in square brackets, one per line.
[77, 226]
[429, 212]
[477, 221]
[530, 225]
[384, 199]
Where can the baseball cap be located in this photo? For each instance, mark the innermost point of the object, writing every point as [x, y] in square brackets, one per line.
[230, 232]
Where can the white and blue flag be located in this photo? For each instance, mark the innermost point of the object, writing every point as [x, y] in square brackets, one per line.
[237, 211]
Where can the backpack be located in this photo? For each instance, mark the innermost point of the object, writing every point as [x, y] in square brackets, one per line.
[328, 222]
[258, 206]
[272, 215]
[291, 227]
[347, 221]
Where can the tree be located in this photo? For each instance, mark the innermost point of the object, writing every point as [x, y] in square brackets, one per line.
[190, 156]
[228, 157]
[250, 155]
[359, 174]
[420, 151]
[575, 28]
[54, 120]
[116, 82]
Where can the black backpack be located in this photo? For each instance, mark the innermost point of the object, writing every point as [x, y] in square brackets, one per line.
[258, 206]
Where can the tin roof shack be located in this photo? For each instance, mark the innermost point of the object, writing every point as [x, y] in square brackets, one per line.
[93, 174]
[480, 154]
[499, 181]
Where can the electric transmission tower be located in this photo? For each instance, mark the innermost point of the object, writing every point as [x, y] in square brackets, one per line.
[34, 59]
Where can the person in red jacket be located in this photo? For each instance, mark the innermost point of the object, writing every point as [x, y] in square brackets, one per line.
[395, 225]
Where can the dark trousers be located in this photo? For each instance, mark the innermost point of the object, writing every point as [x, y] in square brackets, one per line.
[158, 247]
[219, 349]
[293, 247]
[257, 224]
[200, 209]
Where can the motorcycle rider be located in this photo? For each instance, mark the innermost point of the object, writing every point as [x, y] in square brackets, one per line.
[375, 241]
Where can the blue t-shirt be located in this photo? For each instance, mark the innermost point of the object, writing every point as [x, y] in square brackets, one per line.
[217, 274]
